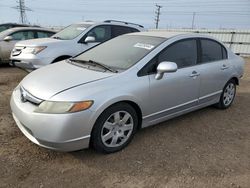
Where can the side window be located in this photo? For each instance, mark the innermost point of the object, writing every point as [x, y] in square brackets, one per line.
[211, 51]
[101, 33]
[23, 35]
[183, 53]
[43, 34]
[120, 30]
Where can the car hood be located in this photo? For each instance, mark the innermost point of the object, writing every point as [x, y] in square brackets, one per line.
[39, 42]
[50, 80]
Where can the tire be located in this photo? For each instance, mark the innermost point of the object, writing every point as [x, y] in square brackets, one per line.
[61, 58]
[227, 95]
[110, 134]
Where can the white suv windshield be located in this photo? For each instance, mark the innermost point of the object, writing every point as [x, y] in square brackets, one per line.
[71, 31]
[121, 52]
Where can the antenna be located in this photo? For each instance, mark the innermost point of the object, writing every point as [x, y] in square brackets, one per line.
[157, 12]
[22, 8]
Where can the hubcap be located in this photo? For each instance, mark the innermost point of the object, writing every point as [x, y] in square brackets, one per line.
[117, 129]
[228, 95]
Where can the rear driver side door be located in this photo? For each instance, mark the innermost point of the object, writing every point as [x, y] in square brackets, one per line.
[215, 70]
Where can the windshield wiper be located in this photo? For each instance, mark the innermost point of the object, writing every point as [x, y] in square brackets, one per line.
[104, 66]
[96, 63]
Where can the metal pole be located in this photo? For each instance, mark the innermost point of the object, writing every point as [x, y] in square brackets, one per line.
[158, 12]
[193, 20]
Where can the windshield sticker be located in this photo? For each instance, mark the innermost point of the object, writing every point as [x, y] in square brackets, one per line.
[81, 28]
[144, 46]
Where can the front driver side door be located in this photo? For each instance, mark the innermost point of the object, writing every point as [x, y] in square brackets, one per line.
[179, 91]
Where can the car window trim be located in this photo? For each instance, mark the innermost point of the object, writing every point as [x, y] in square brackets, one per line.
[142, 72]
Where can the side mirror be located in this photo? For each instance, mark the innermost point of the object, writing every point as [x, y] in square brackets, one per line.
[8, 38]
[89, 39]
[165, 67]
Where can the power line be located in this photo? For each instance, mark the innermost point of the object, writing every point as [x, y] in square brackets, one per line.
[22, 8]
[158, 12]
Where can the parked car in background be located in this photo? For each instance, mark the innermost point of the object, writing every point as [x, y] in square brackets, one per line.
[69, 42]
[104, 95]
[6, 26]
[10, 37]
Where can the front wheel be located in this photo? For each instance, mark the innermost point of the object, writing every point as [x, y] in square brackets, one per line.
[114, 129]
[227, 95]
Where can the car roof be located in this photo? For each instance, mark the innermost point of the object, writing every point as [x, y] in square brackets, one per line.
[112, 22]
[13, 24]
[29, 28]
[170, 34]
[161, 34]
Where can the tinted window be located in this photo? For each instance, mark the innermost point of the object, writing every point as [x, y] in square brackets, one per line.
[43, 34]
[120, 30]
[23, 35]
[224, 52]
[101, 33]
[211, 51]
[183, 53]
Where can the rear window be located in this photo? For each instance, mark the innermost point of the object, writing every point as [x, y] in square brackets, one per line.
[120, 30]
[212, 51]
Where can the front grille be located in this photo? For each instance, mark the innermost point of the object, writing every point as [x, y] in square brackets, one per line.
[27, 97]
[17, 50]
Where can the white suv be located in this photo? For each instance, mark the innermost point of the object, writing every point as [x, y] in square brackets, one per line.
[74, 39]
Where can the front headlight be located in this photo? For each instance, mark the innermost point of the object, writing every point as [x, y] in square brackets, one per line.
[33, 50]
[63, 107]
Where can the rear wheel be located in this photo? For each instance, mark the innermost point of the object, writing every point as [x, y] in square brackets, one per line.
[228, 95]
[114, 129]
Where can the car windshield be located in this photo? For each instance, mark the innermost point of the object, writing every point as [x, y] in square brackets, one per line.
[5, 33]
[71, 31]
[121, 52]
[2, 28]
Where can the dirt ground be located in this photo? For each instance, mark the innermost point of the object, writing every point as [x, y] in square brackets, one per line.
[206, 148]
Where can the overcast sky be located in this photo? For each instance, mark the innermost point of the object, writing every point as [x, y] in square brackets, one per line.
[174, 13]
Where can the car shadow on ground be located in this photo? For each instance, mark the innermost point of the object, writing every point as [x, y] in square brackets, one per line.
[4, 65]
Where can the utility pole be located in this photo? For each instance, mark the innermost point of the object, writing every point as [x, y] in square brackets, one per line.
[157, 12]
[194, 13]
[22, 8]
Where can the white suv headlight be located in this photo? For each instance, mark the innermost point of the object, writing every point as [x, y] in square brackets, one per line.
[33, 50]
[63, 107]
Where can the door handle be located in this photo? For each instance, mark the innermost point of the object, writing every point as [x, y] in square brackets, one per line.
[194, 74]
[224, 67]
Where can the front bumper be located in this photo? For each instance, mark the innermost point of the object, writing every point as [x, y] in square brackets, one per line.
[30, 61]
[62, 132]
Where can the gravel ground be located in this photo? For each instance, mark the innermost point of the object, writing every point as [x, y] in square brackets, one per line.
[206, 148]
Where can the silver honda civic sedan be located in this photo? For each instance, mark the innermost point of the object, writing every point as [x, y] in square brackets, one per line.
[101, 97]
